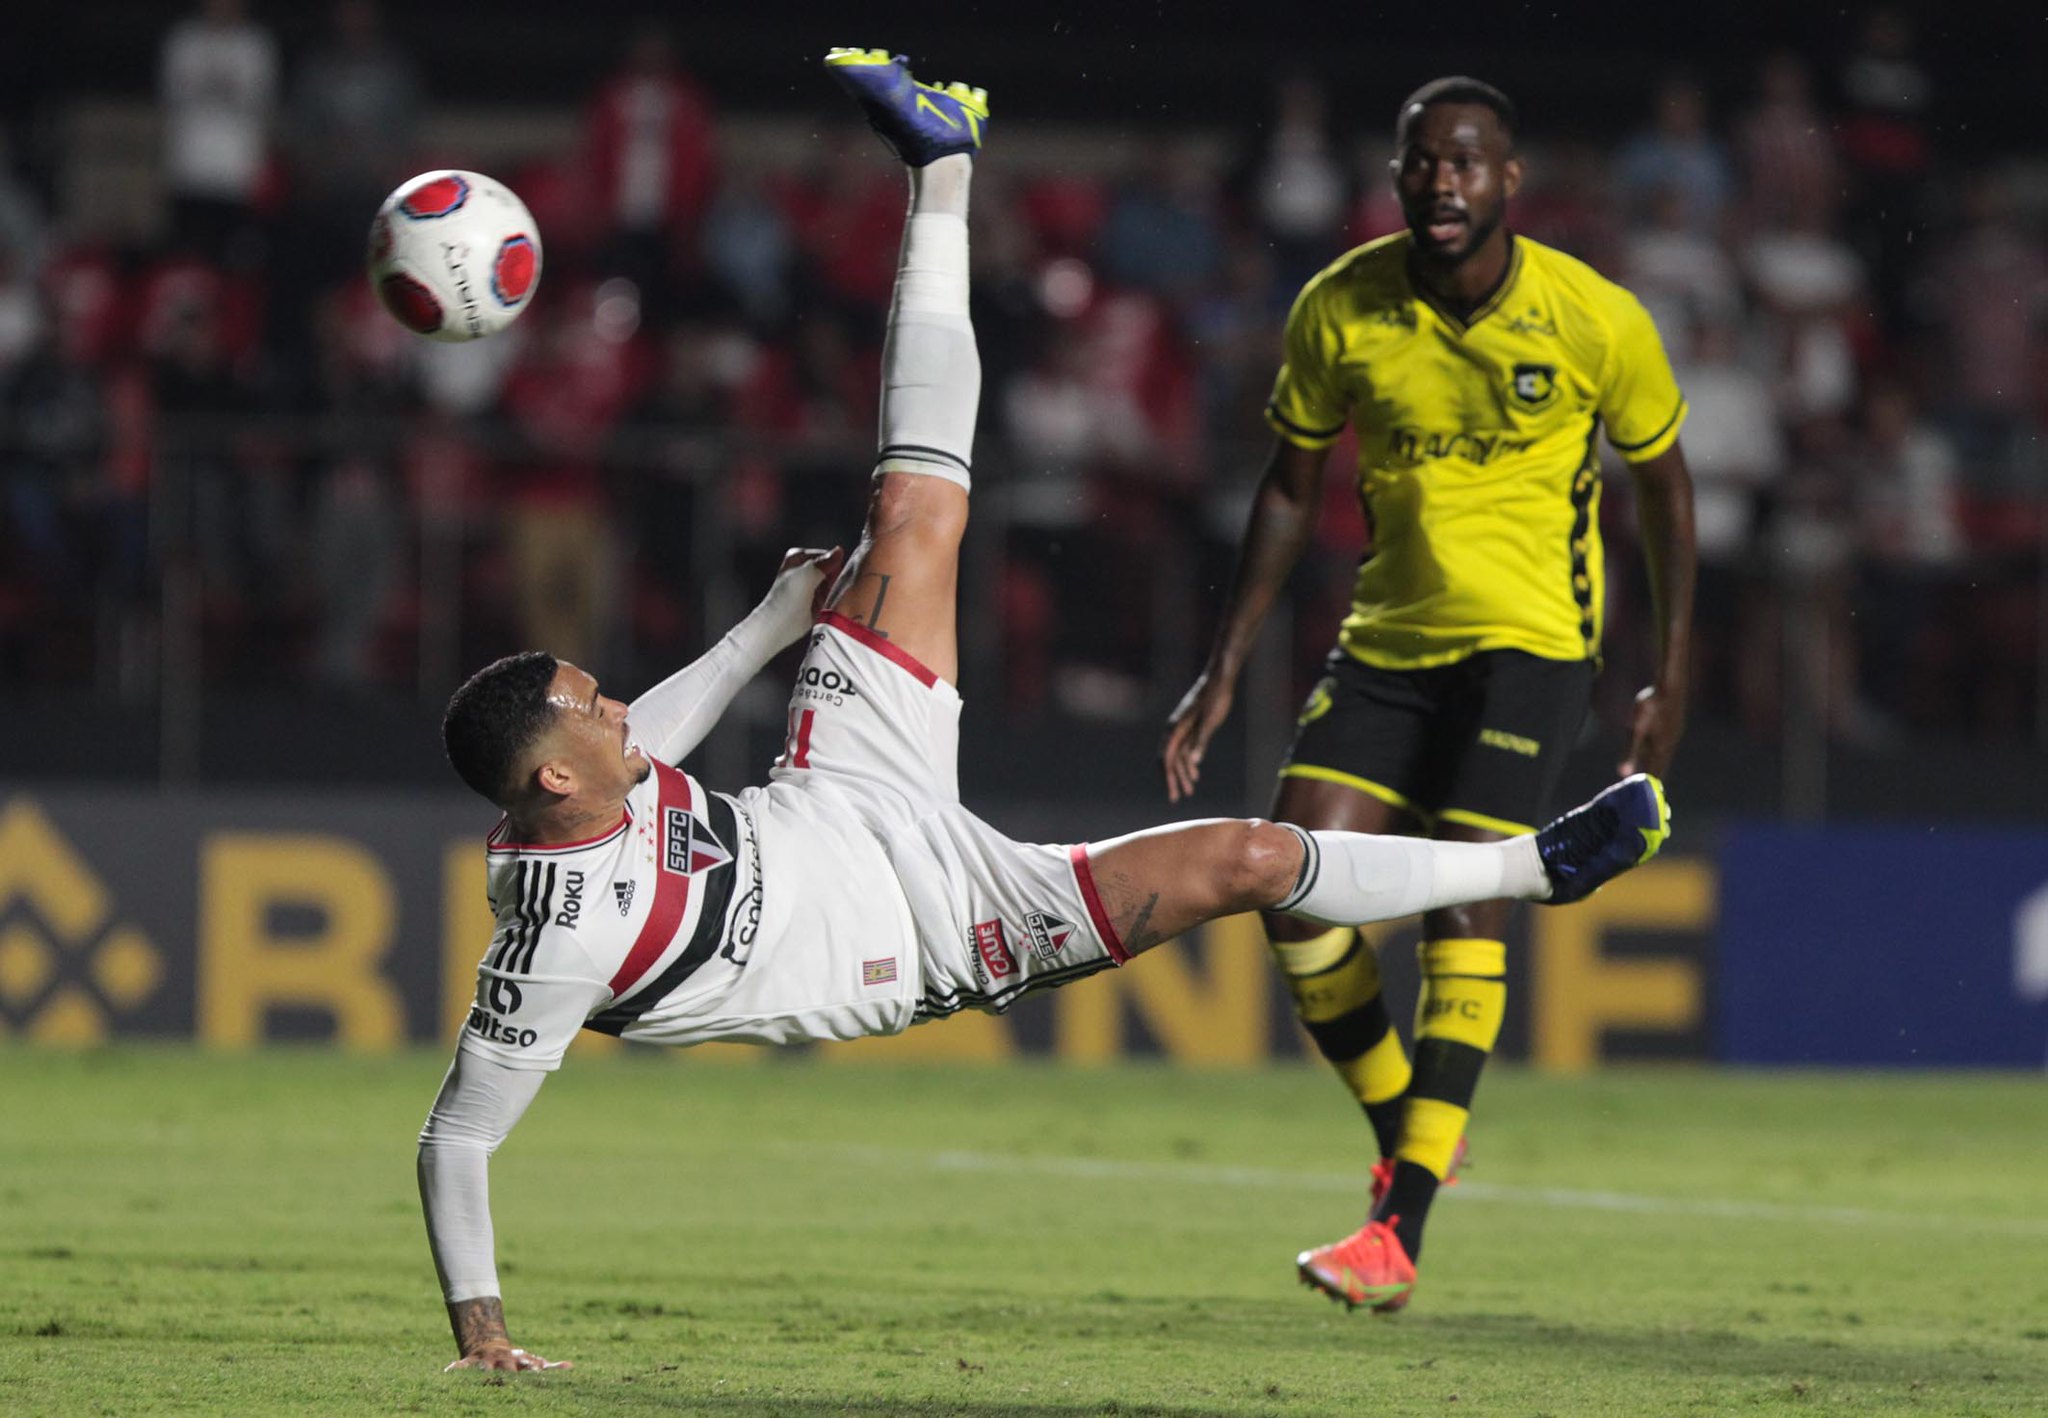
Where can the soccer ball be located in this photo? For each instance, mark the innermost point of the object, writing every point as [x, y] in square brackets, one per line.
[454, 255]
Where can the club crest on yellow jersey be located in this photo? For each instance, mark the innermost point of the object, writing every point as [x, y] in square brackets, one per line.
[1534, 385]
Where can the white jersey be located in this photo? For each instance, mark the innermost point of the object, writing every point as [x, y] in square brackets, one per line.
[654, 930]
[852, 895]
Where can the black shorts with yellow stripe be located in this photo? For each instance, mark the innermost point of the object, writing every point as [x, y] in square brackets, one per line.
[1481, 742]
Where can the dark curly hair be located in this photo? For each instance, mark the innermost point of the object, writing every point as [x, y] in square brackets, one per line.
[1455, 88]
[494, 717]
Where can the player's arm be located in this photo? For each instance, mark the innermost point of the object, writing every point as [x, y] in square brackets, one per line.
[1283, 518]
[1664, 515]
[480, 1101]
[672, 718]
[1643, 409]
[516, 1034]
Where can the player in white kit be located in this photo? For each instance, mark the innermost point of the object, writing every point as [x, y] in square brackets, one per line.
[853, 894]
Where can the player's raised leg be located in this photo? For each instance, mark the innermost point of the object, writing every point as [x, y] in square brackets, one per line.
[902, 581]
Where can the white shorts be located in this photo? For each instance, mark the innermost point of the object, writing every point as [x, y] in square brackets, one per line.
[873, 732]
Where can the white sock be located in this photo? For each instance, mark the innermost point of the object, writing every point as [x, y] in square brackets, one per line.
[931, 370]
[1352, 878]
[941, 185]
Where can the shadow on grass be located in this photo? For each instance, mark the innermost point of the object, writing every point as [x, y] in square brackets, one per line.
[1719, 1352]
[1651, 1358]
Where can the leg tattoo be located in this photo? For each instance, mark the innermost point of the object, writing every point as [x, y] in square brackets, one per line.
[1140, 935]
[875, 614]
[1130, 908]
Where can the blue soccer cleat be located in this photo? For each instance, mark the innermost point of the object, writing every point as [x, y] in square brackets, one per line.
[921, 123]
[1598, 841]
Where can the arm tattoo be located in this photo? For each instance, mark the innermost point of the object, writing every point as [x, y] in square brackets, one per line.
[477, 1321]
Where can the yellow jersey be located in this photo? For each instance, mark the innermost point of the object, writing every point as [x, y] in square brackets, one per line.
[1477, 445]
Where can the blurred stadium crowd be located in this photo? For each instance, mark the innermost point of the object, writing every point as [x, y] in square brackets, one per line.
[219, 428]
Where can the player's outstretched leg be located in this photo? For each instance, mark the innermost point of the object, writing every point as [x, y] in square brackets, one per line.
[1155, 884]
[902, 581]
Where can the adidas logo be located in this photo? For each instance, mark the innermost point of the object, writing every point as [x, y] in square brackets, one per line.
[622, 892]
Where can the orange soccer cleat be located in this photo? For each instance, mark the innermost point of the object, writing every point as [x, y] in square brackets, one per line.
[1370, 1267]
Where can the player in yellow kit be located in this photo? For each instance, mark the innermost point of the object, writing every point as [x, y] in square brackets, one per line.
[1480, 370]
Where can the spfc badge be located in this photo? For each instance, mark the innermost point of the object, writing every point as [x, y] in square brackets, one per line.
[691, 847]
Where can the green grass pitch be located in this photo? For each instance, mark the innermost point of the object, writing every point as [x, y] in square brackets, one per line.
[182, 1233]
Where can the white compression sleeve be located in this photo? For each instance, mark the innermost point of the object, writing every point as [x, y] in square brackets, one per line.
[671, 719]
[1351, 878]
[931, 370]
[480, 1100]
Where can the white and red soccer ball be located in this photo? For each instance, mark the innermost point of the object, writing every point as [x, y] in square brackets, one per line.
[454, 255]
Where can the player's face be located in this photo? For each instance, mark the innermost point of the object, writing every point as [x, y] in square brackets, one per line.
[591, 736]
[1454, 174]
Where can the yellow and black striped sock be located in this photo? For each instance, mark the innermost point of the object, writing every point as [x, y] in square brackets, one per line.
[1335, 981]
[1457, 1021]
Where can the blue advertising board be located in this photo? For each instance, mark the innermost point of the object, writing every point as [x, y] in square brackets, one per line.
[1899, 946]
[237, 919]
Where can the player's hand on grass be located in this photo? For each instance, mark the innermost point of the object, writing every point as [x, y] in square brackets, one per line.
[479, 1325]
[1657, 726]
[1193, 723]
[500, 1354]
[802, 583]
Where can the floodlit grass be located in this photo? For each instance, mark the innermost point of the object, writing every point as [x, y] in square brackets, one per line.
[182, 1233]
